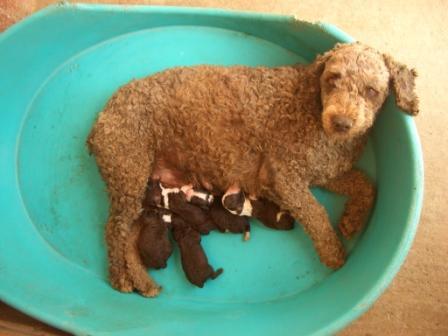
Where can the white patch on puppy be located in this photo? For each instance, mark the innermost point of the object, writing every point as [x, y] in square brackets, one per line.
[246, 236]
[166, 218]
[165, 195]
[247, 208]
[190, 193]
[279, 215]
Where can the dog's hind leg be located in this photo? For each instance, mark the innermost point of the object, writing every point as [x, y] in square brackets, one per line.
[124, 153]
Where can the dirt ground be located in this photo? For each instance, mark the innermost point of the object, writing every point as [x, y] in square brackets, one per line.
[415, 32]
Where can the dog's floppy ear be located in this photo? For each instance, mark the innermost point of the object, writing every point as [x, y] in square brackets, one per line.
[318, 64]
[403, 83]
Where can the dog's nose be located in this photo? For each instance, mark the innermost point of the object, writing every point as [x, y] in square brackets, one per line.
[341, 123]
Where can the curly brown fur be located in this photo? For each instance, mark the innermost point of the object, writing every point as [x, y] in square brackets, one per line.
[273, 131]
[361, 195]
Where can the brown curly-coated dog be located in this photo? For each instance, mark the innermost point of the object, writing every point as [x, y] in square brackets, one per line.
[272, 131]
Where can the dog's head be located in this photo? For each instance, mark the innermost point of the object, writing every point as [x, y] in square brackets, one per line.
[355, 81]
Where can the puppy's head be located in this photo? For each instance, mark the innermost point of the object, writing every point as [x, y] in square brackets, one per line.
[355, 82]
[153, 195]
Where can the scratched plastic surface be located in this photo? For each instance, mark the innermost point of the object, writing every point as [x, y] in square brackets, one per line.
[53, 257]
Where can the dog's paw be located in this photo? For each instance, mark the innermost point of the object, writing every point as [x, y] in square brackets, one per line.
[139, 282]
[353, 219]
[335, 262]
[151, 291]
[332, 253]
[143, 284]
[348, 228]
[119, 280]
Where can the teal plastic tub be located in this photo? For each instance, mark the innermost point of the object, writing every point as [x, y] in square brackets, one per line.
[57, 70]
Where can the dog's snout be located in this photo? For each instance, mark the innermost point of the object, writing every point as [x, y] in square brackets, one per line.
[341, 123]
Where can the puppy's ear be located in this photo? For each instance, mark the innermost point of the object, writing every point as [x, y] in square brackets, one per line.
[403, 82]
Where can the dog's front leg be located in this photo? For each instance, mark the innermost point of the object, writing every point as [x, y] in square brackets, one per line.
[303, 206]
[361, 195]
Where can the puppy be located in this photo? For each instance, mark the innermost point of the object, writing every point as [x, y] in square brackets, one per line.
[193, 258]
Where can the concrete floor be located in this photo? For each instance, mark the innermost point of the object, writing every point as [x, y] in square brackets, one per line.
[416, 33]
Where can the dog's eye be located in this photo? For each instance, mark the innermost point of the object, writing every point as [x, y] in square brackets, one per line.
[371, 92]
[333, 77]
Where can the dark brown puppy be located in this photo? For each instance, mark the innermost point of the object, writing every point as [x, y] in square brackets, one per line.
[194, 260]
[198, 196]
[175, 200]
[228, 222]
[153, 242]
[271, 215]
[266, 211]
[197, 216]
